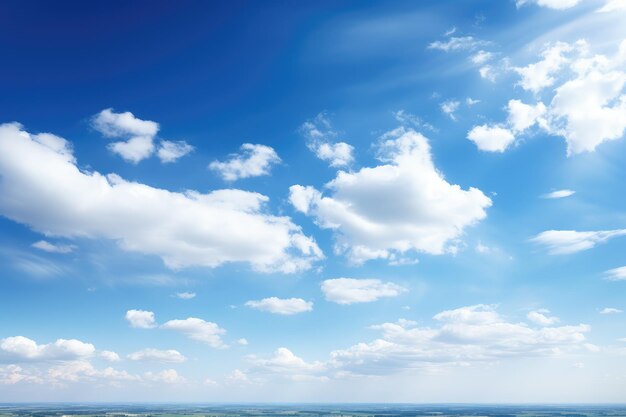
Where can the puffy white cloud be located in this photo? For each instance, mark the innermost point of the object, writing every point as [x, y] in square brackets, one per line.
[464, 335]
[168, 376]
[242, 342]
[140, 319]
[449, 107]
[150, 354]
[402, 205]
[559, 194]
[284, 306]
[481, 57]
[53, 248]
[43, 188]
[491, 138]
[253, 161]
[588, 105]
[455, 43]
[616, 274]
[185, 295]
[170, 151]
[551, 4]
[13, 374]
[563, 242]
[284, 363]
[20, 348]
[238, 377]
[198, 329]
[350, 290]
[611, 310]
[522, 115]
[320, 140]
[139, 134]
[110, 356]
[540, 317]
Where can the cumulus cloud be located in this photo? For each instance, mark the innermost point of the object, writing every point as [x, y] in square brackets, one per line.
[284, 306]
[616, 274]
[198, 329]
[150, 354]
[320, 140]
[463, 335]
[449, 107]
[170, 151]
[285, 364]
[139, 134]
[110, 356]
[541, 317]
[491, 138]
[559, 194]
[402, 205]
[53, 248]
[586, 102]
[140, 319]
[349, 290]
[253, 161]
[43, 188]
[23, 349]
[563, 242]
[613, 6]
[551, 4]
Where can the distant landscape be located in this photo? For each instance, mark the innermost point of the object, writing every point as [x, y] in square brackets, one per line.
[306, 410]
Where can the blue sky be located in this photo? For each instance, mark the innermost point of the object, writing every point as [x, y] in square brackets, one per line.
[323, 201]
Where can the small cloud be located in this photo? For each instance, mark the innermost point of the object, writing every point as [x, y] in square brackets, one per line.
[185, 295]
[610, 310]
[558, 194]
[53, 248]
[242, 342]
[170, 151]
[282, 306]
[616, 274]
[254, 160]
[539, 317]
[140, 319]
[449, 107]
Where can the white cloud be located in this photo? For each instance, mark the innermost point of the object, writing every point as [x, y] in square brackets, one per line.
[523, 116]
[610, 310]
[170, 151]
[563, 242]
[140, 319]
[350, 290]
[150, 354]
[284, 363]
[449, 107]
[242, 342]
[198, 329]
[613, 6]
[551, 4]
[488, 73]
[598, 81]
[167, 376]
[616, 274]
[459, 43]
[139, 134]
[540, 318]
[320, 140]
[110, 356]
[185, 295]
[20, 348]
[470, 101]
[53, 248]
[183, 229]
[559, 194]
[238, 377]
[253, 161]
[464, 335]
[14, 374]
[481, 57]
[285, 306]
[81, 370]
[401, 205]
[491, 138]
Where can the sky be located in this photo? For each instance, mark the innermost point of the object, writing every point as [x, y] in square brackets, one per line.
[315, 201]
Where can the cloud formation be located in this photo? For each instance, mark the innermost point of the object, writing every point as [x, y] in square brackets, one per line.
[321, 140]
[402, 205]
[253, 161]
[349, 290]
[44, 188]
[284, 306]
